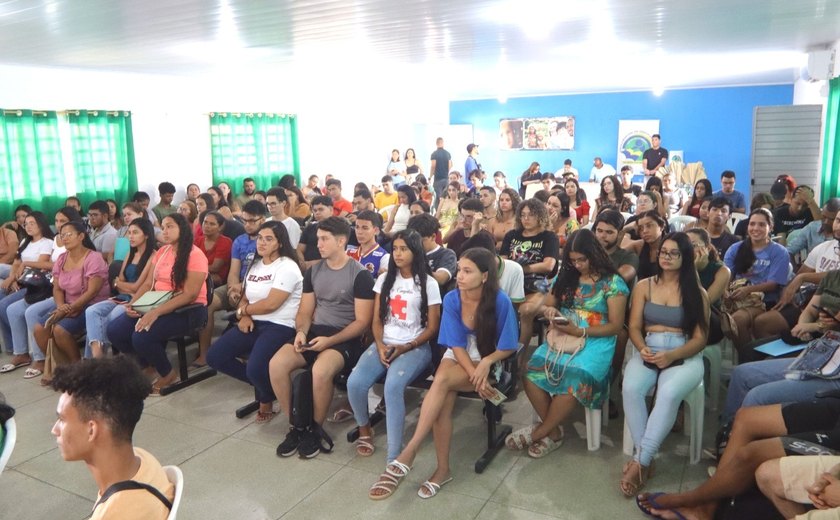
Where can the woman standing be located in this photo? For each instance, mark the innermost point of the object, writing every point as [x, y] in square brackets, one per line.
[702, 189]
[447, 210]
[479, 328]
[560, 217]
[216, 247]
[669, 321]
[714, 277]
[577, 201]
[651, 228]
[396, 168]
[265, 314]
[505, 219]
[412, 165]
[406, 317]
[591, 297]
[612, 196]
[80, 279]
[530, 176]
[178, 266]
[132, 275]
[398, 220]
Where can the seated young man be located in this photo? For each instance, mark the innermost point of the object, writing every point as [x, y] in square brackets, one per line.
[101, 402]
[815, 233]
[369, 253]
[795, 484]
[336, 309]
[442, 261]
[275, 202]
[322, 208]
[166, 190]
[102, 233]
[226, 297]
[463, 229]
[719, 211]
[341, 207]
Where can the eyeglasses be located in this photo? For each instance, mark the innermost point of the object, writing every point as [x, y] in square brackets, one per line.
[675, 254]
[67, 235]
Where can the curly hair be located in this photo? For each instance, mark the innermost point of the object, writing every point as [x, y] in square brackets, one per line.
[583, 242]
[537, 209]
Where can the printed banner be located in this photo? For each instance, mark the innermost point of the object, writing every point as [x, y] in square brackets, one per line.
[633, 139]
[538, 133]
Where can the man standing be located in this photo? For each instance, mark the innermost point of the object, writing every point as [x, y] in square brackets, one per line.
[341, 207]
[166, 190]
[368, 252]
[275, 201]
[735, 197]
[249, 188]
[322, 208]
[386, 197]
[719, 212]
[654, 157]
[102, 234]
[600, 170]
[101, 402]
[441, 164]
[336, 308]
[471, 164]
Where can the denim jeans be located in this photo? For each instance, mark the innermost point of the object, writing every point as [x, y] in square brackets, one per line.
[98, 316]
[672, 385]
[6, 323]
[259, 345]
[763, 382]
[34, 314]
[402, 371]
[5, 269]
[150, 346]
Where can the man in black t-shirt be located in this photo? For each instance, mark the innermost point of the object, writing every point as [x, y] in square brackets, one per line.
[441, 164]
[322, 208]
[469, 210]
[802, 210]
[719, 211]
[654, 157]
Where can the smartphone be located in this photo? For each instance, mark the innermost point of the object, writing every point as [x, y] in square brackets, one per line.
[497, 398]
[306, 346]
[560, 320]
[828, 312]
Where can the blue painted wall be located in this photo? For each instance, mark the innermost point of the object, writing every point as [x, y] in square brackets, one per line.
[713, 125]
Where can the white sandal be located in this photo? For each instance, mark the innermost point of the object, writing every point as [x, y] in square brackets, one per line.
[389, 481]
[429, 489]
[521, 438]
[543, 447]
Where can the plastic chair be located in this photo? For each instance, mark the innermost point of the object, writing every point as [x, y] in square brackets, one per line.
[8, 443]
[176, 477]
[714, 355]
[693, 426]
[680, 222]
[595, 419]
[734, 219]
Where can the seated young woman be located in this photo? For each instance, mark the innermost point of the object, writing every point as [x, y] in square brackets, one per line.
[178, 266]
[669, 321]
[406, 316]
[560, 217]
[759, 434]
[265, 313]
[646, 201]
[652, 228]
[766, 267]
[592, 296]
[714, 277]
[505, 219]
[577, 201]
[479, 328]
[80, 279]
[132, 275]
[702, 189]
[215, 246]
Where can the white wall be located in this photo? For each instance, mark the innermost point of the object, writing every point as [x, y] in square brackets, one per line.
[346, 127]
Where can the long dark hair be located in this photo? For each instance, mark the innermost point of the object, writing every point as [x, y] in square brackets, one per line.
[419, 271]
[745, 256]
[706, 184]
[282, 236]
[79, 227]
[583, 242]
[222, 200]
[693, 304]
[580, 195]
[149, 231]
[182, 249]
[208, 200]
[43, 227]
[485, 319]
[618, 191]
[408, 191]
[70, 213]
[703, 235]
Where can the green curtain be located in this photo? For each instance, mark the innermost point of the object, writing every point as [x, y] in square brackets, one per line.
[831, 150]
[261, 146]
[31, 165]
[103, 155]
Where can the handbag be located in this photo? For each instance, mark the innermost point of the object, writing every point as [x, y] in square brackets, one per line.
[151, 300]
[37, 283]
[753, 300]
[819, 360]
[559, 344]
[54, 357]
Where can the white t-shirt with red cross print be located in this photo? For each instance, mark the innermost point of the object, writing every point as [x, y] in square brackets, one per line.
[403, 323]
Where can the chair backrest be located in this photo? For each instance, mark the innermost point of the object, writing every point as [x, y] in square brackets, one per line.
[679, 222]
[176, 477]
[734, 219]
[8, 442]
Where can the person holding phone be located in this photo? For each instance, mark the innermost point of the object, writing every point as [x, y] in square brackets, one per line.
[406, 316]
[669, 323]
[591, 294]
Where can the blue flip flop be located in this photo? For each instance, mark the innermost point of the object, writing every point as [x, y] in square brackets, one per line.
[651, 499]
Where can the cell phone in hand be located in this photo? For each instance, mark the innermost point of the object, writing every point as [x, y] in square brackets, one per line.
[820, 308]
[497, 398]
[560, 320]
[306, 346]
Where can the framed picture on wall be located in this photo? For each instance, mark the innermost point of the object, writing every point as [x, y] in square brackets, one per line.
[538, 133]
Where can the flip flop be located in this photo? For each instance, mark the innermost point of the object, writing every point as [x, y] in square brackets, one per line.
[9, 367]
[32, 373]
[429, 489]
[264, 417]
[651, 499]
[341, 415]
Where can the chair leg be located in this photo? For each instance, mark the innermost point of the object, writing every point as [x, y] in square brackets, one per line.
[183, 370]
[696, 408]
[248, 409]
[494, 441]
[375, 418]
[714, 355]
[593, 428]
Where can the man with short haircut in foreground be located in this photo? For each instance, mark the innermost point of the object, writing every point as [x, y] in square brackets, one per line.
[101, 402]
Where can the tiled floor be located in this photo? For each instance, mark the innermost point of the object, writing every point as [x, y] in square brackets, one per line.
[232, 472]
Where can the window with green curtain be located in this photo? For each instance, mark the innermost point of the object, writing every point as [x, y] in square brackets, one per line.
[103, 155]
[831, 144]
[261, 146]
[31, 164]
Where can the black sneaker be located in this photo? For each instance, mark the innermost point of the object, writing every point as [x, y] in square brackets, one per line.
[290, 444]
[310, 444]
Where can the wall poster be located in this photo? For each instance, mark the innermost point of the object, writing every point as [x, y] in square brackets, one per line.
[634, 137]
[537, 133]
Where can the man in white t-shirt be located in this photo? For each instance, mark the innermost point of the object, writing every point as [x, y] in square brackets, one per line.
[600, 171]
[275, 201]
[511, 276]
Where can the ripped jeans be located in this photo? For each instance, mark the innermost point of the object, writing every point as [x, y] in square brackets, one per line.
[402, 371]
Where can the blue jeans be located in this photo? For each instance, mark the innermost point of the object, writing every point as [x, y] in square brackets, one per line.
[260, 345]
[98, 316]
[763, 382]
[150, 346]
[6, 323]
[672, 385]
[402, 371]
[34, 314]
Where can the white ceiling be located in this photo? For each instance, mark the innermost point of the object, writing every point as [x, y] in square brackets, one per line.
[468, 48]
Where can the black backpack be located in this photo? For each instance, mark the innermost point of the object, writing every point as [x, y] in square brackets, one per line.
[302, 405]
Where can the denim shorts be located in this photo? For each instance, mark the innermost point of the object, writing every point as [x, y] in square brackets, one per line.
[74, 326]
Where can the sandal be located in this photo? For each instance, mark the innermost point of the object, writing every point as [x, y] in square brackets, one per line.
[521, 438]
[630, 487]
[341, 415]
[543, 447]
[264, 417]
[32, 373]
[651, 500]
[389, 481]
[364, 446]
[429, 489]
[9, 367]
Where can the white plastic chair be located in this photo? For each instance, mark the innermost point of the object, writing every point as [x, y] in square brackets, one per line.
[693, 426]
[595, 419]
[680, 222]
[713, 353]
[734, 219]
[176, 477]
[8, 442]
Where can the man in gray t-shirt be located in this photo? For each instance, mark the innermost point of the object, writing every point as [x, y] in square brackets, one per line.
[336, 308]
